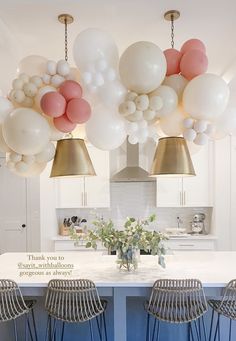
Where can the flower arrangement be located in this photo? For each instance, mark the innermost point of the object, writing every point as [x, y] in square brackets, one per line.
[126, 242]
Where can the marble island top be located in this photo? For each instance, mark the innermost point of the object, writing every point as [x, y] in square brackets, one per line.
[214, 269]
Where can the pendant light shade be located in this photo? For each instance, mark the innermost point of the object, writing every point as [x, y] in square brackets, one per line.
[72, 159]
[172, 158]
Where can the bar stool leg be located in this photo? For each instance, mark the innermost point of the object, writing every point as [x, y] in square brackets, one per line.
[230, 329]
[29, 327]
[99, 326]
[217, 331]
[15, 330]
[91, 330]
[147, 328]
[63, 330]
[47, 329]
[211, 325]
[105, 325]
[204, 328]
[34, 325]
[154, 328]
[197, 331]
[26, 328]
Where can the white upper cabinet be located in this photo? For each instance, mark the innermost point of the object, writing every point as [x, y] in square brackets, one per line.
[188, 191]
[91, 191]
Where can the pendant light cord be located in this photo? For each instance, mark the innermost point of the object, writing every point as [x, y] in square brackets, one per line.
[172, 31]
[66, 40]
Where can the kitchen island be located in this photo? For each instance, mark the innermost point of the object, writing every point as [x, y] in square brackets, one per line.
[32, 272]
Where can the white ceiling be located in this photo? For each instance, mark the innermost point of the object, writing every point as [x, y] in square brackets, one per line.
[31, 27]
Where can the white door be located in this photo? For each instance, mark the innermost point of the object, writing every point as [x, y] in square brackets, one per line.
[13, 203]
[169, 192]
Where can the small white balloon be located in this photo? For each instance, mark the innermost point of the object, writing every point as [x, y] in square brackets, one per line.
[87, 77]
[136, 116]
[57, 80]
[142, 135]
[152, 132]
[109, 75]
[98, 79]
[201, 139]
[189, 134]
[142, 124]
[133, 139]
[28, 159]
[101, 65]
[132, 127]
[200, 126]
[37, 81]
[63, 68]
[142, 102]
[47, 154]
[30, 89]
[149, 115]
[46, 78]
[155, 103]
[24, 77]
[28, 102]
[15, 157]
[21, 167]
[188, 123]
[51, 67]
[17, 84]
[130, 96]
[18, 96]
[127, 108]
[210, 129]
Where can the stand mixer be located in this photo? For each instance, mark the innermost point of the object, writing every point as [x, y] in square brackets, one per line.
[198, 225]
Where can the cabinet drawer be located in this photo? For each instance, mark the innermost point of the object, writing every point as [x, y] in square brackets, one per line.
[189, 245]
[68, 245]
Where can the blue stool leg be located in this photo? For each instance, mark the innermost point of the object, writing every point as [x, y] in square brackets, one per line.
[105, 325]
[230, 329]
[204, 328]
[147, 328]
[15, 330]
[91, 330]
[217, 330]
[26, 328]
[29, 327]
[196, 330]
[34, 325]
[63, 330]
[99, 326]
[211, 325]
[154, 328]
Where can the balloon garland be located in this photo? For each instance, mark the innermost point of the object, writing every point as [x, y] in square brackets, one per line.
[145, 94]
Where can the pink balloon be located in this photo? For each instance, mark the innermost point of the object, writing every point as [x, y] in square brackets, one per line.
[193, 63]
[173, 58]
[78, 110]
[64, 124]
[70, 90]
[193, 44]
[53, 104]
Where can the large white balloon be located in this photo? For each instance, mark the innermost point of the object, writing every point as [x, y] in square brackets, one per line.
[6, 107]
[93, 44]
[106, 129]
[177, 83]
[3, 146]
[33, 65]
[112, 93]
[26, 131]
[206, 97]
[47, 154]
[172, 124]
[169, 99]
[142, 67]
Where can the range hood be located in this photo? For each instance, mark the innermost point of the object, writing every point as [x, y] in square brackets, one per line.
[132, 172]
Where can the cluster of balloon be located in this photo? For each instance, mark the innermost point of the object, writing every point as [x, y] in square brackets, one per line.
[66, 107]
[27, 129]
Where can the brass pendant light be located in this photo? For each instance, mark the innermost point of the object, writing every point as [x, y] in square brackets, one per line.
[71, 157]
[172, 158]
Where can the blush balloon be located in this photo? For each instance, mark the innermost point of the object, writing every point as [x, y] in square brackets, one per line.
[193, 44]
[78, 110]
[193, 63]
[53, 104]
[173, 58]
[63, 124]
[70, 89]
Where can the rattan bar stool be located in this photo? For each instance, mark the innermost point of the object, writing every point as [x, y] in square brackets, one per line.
[177, 301]
[225, 307]
[13, 305]
[74, 301]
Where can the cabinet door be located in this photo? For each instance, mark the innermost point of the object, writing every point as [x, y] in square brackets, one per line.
[169, 192]
[69, 192]
[196, 189]
[97, 188]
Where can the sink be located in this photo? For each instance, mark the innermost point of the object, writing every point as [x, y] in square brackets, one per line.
[177, 231]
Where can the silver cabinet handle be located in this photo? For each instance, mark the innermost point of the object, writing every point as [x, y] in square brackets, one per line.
[186, 245]
[82, 198]
[86, 201]
[184, 198]
[180, 198]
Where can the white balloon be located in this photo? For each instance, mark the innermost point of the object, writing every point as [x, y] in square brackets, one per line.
[130, 96]
[30, 89]
[28, 159]
[26, 131]
[46, 78]
[127, 108]
[18, 96]
[10, 165]
[3, 146]
[51, 67]
[28, 102]
[92, 45]
[201, 139]
[6, 107]
[189, 134]
[188, 123]
[132, 127]
[101, 65]
[33, 170]
[200, 126]
[156, 103]
[57, 80]
[40, 94]
[24, 77]
[142, 124]
[37, 81]
[33, 65]
[63, 68]
[98, 79]
[112, 93]
[105, 129]
[149, 115]
[172, 124]
[47, 154]
[14, 157]
[169, 98]
[136, 116]
[142, 67]
[193, 148]
[133, 139]
[152, 132]
[87, 77]
[206, 97]
[109, 75]
[17, 84]
[177, 83]
[21, 167]
[142, 102]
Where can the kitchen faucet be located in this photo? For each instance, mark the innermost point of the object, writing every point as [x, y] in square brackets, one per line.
[179, 221]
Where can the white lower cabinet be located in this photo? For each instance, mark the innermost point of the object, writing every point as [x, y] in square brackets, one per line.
[188, 191]
[191, 245]
[91, 191]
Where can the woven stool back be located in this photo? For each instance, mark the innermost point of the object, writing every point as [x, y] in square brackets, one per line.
[177, 301]
[73, 300]
[12, 304]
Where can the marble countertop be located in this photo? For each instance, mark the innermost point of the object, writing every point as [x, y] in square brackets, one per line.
[214, 269]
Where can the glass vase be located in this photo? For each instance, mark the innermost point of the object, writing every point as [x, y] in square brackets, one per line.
[127, 259]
